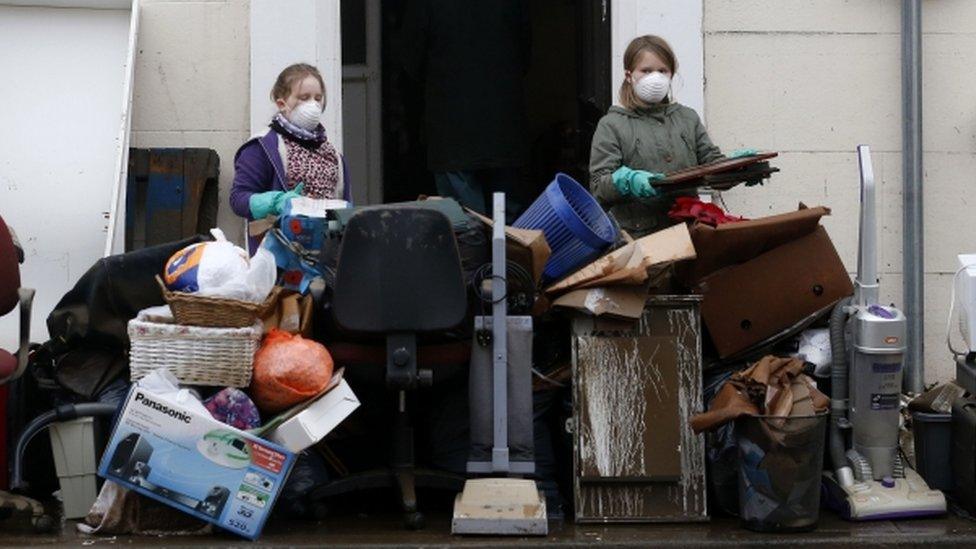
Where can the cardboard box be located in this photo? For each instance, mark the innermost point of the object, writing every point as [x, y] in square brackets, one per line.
[527, 247]
[747, 303]
[194, 463]
[633, 264]
[734, 243]
[293, 314]
[315, 419]
[618, 302]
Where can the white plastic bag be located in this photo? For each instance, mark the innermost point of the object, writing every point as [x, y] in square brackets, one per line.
[220, 269]
[815, 348]
[164, 384]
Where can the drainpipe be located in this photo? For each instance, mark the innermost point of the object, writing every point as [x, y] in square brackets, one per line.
[913, 258]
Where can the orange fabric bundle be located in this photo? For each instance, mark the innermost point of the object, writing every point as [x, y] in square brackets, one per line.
[289, 369]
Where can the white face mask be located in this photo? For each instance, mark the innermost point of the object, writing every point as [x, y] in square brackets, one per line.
[306, 115]
[653, 87]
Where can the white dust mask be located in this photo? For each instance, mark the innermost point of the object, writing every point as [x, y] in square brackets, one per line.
[306, 115]
[653, 87]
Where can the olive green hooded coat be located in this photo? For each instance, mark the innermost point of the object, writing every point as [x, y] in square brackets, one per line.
[661, 138]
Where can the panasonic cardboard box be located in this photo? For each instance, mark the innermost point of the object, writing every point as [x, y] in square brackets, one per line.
[195, 463]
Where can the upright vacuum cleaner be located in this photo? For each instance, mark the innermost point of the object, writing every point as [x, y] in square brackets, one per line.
[500, 398]
[870, 480]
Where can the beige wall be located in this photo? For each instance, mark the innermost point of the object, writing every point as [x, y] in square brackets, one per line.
[809, 78]
[192, 83]
[813, 79]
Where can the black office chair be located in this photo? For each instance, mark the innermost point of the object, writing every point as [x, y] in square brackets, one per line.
[399, 274]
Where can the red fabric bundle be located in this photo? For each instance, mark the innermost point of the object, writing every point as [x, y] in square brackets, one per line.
[289, 369]
[689, 208]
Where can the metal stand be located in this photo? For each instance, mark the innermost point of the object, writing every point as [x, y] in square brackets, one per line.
[500, 506]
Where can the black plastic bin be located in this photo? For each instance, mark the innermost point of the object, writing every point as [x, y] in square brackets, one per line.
[933, 449]
[780, 469]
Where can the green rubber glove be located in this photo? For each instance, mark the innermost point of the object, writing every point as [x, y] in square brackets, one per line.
[270, 203]
[637, 183]
[743, 153]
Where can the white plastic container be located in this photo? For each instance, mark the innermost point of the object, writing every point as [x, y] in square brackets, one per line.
[73, 445]
[966, 294]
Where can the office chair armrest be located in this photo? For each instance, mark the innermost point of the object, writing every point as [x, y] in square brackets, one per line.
[26, 304]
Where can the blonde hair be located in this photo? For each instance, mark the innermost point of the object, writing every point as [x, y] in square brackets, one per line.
[654, 44]
[291, 76]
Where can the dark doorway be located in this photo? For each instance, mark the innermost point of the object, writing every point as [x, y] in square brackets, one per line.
[567, 90]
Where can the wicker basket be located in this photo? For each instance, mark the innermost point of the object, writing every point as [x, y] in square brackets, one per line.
[196, 355]
[215, 312]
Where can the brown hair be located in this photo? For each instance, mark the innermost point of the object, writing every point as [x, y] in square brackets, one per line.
[291, 76]
[654, 44]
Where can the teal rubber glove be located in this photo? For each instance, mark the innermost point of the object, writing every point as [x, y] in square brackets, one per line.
[270, 203]
[637, 183]
[743, 153]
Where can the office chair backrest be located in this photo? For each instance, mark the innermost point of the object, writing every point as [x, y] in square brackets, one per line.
[399, 271]
[9, 271]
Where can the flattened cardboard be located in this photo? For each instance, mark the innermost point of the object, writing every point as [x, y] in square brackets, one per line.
[734, 243]
[292, 313]
[745, 304]
[618, 301]
[633, 264]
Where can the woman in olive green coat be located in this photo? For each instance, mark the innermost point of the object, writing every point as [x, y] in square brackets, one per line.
[646, 137]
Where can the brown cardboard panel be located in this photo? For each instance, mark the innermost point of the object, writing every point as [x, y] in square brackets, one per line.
[744, 304]
[734, 243]
[632, 264]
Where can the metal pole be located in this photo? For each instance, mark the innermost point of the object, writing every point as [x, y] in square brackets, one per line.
[866, 283]
[499, 324]
[913, 255]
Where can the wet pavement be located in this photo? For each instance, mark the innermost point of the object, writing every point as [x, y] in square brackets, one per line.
[386, 531]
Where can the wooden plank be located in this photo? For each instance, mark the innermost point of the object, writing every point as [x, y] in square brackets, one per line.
[723, 180]
[135, 199]
[165, 196]
[172, 194]
[712, 168]
[199, 171]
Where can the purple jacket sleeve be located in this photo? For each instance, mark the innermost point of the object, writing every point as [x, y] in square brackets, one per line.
[252, 174]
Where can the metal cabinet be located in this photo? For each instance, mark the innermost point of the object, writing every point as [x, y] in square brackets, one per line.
[636, 386]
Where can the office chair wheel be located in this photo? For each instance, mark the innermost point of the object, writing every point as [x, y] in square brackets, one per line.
[319, 510]
[43, 524]
[414, 520]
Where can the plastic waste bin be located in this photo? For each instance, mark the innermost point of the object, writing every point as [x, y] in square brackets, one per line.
[73, 444]
[576, 227]
[780, 468]
[933, 449]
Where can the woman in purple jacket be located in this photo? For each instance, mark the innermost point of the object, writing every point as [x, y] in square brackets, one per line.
[294, 157]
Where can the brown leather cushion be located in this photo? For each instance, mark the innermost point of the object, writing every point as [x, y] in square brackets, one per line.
[9, 271]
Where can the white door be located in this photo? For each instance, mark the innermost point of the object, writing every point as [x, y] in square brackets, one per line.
[63, 140]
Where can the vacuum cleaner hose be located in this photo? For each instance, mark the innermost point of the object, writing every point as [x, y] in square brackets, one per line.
[838, 384]
[61, 413]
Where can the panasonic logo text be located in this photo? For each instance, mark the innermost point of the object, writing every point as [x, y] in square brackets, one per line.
[162, 408]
